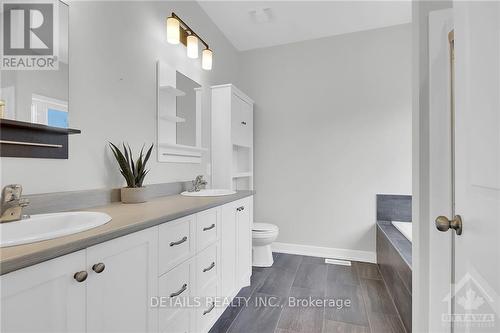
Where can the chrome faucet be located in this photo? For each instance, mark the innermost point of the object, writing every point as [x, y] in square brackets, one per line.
[12, 204]
[197, 184]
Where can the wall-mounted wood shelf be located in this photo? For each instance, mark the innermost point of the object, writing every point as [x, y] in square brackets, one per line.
[24, 139]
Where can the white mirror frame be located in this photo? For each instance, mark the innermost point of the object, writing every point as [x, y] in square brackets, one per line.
[167, 147]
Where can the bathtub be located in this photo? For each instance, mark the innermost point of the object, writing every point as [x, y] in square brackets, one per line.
[404, 228]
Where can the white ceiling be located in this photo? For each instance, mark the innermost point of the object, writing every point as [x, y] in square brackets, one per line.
[256, 24]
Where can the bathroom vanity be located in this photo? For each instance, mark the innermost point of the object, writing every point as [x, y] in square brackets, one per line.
[118, 277]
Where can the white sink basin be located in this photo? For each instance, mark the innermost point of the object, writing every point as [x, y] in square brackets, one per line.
[208, 193]
[47, 226]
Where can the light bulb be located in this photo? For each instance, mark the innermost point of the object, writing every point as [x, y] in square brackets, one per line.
[173, 30]
[206, 59]
[192, 46]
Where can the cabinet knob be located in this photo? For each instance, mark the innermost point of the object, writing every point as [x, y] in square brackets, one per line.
[243, 122]
[80, 276]
[98, 268]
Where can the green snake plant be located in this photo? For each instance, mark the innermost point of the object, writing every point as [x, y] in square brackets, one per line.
[133, 172]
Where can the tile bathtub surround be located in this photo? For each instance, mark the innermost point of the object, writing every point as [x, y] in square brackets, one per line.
[393, 207]
[302, 277]
[395, 270]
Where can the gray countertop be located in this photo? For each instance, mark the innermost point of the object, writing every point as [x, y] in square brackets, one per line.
[126, 219]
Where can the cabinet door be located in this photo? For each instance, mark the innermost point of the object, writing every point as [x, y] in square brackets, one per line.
[45, 297]
[244, 242]
[241, 122]
[118, 298]
[228, 250]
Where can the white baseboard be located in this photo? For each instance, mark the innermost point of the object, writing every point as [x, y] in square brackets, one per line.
[325, 252]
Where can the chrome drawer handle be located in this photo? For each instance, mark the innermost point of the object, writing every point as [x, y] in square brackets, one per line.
[210, 309]
[212, 265]
[209, 228]
[180, 241]
[243, 122]
[177, 293]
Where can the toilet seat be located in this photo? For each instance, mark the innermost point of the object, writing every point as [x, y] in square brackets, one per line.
[264, 227]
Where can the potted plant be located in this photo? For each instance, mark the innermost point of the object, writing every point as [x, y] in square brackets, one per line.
[133, 172]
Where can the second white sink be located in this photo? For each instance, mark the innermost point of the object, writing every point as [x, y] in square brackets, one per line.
[209, 193]
[47, 226]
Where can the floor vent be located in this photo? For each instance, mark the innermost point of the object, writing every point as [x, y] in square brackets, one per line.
[337, 262]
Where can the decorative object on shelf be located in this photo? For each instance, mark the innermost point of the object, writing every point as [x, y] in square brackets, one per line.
[134, 173]
[23, 139]
[179, 32]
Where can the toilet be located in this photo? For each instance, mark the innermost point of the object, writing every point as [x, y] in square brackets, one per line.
[263, 235]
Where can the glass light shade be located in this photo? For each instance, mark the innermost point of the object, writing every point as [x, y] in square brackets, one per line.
[206, 59]
[173, 30]
[192, 47]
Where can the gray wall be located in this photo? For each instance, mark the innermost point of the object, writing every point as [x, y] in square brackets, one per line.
[332, 129]
[114, 47]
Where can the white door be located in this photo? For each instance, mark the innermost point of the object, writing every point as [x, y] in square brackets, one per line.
[45, 297]
[477, 165]
[123, 276]
[464, 289]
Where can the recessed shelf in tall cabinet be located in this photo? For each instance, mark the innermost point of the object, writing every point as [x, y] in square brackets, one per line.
[232, 138]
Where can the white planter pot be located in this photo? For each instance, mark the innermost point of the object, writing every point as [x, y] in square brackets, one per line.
[133, 194]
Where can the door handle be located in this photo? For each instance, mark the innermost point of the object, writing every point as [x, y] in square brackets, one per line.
[180, 241]
[444, 224]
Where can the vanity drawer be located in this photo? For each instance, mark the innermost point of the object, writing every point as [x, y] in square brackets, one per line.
[207, 267]
[175, 287]
[176, 242]
[241, 122]
[206, 228]
[207, 313]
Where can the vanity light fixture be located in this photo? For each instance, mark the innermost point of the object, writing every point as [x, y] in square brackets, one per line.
[179, 32]
[192, 46]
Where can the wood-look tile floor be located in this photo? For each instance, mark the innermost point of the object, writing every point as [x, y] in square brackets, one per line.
[295, 277]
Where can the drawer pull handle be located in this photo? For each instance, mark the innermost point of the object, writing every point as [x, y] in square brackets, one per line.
[98, 268]
[212, 265]
[180, 241]
[243, 122]
[209, 228]
[239, 209]
[177, 293]
[209, 309]
[80, 276]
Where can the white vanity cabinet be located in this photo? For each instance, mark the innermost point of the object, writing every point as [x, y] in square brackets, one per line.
[118, 298]
[236, 246]
[114, 286]
[45, 297]
[51, 297]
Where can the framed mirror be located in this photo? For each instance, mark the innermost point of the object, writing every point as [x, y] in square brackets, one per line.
[179, 116]
[40, 96]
